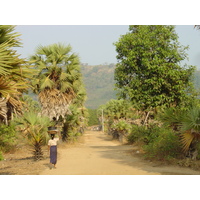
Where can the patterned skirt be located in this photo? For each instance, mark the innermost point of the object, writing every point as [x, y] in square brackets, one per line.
[53, 154]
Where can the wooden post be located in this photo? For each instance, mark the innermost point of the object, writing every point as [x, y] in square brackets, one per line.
[102, 121]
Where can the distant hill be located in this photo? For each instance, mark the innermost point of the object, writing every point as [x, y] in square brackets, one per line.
[197, 80]
[99, 83]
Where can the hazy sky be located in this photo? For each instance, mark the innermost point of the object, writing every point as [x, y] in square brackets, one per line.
[94, 43]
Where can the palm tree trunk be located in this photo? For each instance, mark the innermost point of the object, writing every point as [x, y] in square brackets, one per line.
[3, 110]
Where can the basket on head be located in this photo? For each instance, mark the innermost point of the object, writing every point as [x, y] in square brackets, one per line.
[52, 130]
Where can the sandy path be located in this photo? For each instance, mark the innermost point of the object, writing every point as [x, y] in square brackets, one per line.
[99, 155]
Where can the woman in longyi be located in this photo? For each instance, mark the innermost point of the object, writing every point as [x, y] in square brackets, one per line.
[52, 145]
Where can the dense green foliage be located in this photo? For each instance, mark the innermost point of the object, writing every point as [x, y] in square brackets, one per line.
[165, 146]
[186, 122]
[113, 116]
[150, 79]
[7, 138]
[116, 109]
[34, 127]
[93, 120]
[122, 127]
[75, 123]
[149, 71]
[159, 142]
[143, 134]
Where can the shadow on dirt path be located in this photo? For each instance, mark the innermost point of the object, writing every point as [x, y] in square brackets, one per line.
[98, 154]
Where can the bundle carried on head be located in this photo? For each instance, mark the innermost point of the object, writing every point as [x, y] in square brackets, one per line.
[52, 130]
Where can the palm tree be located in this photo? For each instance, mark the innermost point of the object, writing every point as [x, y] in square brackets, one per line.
[122, 128]
[8, 35]
[34, 127]
[114, 111]
[185, 122]
[190, 127]
[58, 80]
[13, 74]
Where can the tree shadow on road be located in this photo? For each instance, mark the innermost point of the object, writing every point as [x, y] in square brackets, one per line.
[126, 155]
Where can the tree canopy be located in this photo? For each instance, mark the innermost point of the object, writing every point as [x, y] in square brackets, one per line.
[59, 80]
[149, 70]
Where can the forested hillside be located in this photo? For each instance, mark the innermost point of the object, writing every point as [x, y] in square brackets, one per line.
[99, 83]
[197, 80]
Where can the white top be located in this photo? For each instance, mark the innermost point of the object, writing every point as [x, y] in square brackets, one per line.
[53, 142]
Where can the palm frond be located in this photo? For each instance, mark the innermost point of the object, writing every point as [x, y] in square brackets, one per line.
[191, 120]
[7, 34]
[190, 127]
[186, 140]
[65, 86]
[46, 83]
[64, 76]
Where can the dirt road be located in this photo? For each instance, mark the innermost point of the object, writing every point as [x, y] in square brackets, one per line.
[98, 154]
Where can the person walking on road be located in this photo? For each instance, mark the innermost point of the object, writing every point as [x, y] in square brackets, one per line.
[52, 146]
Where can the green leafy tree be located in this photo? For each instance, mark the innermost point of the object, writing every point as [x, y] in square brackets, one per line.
[149, 71]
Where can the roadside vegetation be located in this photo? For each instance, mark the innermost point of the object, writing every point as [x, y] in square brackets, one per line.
[52, 76]
[93, 119]
[158, 108]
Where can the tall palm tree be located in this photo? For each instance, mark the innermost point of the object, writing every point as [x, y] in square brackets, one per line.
[13, 74]
[58, 81]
